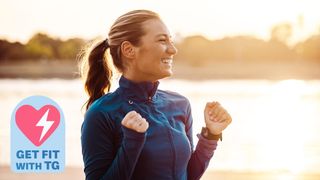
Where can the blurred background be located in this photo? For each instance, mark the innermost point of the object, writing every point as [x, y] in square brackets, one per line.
[260, 59]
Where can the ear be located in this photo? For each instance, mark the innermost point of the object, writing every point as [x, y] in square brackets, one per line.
[127, 50]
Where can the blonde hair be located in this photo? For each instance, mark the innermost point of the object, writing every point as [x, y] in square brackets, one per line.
[94, 62]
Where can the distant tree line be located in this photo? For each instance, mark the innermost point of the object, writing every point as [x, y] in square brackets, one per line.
[39, 47]
[198, 50]
[195, 50]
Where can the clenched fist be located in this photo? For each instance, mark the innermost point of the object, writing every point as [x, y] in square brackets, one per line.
[134, 121]
[216, 117]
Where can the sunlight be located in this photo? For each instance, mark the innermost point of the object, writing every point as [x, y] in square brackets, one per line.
[286, 177]
[284, 127]
[214, 19]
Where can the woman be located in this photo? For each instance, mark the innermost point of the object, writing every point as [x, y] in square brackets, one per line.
[139, 131]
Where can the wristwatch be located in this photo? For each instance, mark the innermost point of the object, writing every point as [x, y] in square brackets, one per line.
[208, 135]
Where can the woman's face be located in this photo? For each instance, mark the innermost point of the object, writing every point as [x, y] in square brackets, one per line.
[154, 55]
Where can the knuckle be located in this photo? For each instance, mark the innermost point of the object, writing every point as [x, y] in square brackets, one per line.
[130, 123]
[131, 112]
[123, 122]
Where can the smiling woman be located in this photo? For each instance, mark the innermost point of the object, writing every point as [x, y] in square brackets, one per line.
[155, 53]
[139, 127]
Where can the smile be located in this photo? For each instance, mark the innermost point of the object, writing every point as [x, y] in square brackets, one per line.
[167, 60]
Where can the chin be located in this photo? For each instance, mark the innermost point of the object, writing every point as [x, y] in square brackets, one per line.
[167, 74]
[164, 73]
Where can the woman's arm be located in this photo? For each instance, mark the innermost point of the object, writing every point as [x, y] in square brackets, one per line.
[101, 159]
[200, 158]
[216, 120]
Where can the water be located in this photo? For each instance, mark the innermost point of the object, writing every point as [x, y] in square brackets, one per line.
[275, 123]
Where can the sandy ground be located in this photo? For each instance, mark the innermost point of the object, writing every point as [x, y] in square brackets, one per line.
[77, 173]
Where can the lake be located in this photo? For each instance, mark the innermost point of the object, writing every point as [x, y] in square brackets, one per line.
[275, 124]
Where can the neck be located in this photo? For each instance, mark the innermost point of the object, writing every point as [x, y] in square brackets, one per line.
[134, 77]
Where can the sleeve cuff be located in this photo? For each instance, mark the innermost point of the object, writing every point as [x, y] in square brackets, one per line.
[131, 134]
[207, 141]
[206, 146]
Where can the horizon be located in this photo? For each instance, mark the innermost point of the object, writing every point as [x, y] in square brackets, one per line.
[211, 19]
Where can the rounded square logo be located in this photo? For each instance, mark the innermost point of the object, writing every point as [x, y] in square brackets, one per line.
[37, 136]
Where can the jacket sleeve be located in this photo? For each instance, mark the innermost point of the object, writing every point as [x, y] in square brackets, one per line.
[101, 158]
[204, 151]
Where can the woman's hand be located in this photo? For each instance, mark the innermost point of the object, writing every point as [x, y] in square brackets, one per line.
[134, 121]
[216, 117]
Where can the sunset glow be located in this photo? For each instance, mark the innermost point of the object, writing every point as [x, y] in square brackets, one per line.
[214, 19]
[259, 59]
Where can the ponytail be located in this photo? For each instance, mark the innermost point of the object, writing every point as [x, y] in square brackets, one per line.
[94, 67]
[98, 77]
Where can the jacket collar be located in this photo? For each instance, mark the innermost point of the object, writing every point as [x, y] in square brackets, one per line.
[144, 91]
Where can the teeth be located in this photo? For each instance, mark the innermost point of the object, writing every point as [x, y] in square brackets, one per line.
[167, 60]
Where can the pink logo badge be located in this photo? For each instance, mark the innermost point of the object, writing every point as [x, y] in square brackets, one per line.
[37, 125]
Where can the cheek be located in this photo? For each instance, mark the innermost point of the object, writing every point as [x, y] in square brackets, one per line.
[148, 62]
[150, 58]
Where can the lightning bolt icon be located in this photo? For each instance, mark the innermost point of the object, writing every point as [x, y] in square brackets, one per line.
[43, 122]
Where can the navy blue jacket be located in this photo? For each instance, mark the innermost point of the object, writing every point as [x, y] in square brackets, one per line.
[164, 151]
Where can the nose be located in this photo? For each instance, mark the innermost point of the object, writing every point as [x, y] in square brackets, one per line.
[172, 50]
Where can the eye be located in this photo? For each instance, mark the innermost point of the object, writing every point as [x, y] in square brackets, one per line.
[162, 40]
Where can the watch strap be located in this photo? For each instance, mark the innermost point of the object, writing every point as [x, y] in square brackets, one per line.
[208, 135]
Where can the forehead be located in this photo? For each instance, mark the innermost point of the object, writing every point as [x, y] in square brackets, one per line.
[155, 27]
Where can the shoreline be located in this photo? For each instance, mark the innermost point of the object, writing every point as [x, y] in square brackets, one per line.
[271, 71]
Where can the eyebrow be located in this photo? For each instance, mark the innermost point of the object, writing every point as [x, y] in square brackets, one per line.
[166, 35]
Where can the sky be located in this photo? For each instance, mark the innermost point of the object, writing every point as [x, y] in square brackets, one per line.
[215, 19]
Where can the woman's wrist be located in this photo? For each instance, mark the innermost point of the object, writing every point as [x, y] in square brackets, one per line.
[205, 132]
